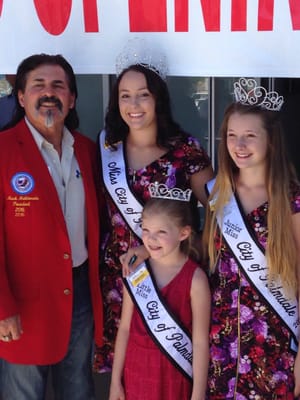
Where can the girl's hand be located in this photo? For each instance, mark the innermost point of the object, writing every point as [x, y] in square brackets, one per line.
[134, 257]
[116, 392]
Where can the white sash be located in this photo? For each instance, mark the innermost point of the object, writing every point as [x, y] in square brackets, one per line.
[115, 180]
[253, 262]
[171, 338]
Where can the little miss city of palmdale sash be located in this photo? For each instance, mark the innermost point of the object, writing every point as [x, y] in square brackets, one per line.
[253, 262]
[168, 335]
[115, 180]
[172, 339]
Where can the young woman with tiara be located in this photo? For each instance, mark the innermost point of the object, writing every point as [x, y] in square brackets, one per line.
[253, 236]
[141, 143]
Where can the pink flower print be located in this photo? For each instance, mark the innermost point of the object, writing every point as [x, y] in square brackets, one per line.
[260, 328]
[193, 169]
[234, 297]
[278, 376]
[123, 246]
[217, 354]
[240, 397]
[193, 142]
[179, 153]
[244, 282]
[171, 180]
[231, 386]
[233, 266]
[246, 314]
[117, 220]
[119, 284]
[144, 181]
[233, 348]
[245, 364]
[113, 296]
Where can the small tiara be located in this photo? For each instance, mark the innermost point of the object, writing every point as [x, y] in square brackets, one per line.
[138, 52]
[246, 91]
[161, 191]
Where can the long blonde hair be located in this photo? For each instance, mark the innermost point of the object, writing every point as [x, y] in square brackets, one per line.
[281, 251]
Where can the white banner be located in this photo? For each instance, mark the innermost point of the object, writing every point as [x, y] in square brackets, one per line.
[200, 37]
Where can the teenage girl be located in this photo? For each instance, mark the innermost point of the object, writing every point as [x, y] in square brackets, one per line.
[254, 275]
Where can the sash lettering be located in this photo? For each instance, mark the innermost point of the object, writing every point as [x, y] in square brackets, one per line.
[253, 262]
[115, 180]
[167, 333]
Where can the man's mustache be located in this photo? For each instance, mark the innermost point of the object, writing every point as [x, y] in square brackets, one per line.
[52, 99]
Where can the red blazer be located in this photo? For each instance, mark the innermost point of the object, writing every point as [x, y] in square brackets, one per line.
[35, 252]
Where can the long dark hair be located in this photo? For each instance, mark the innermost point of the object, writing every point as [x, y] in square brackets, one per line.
[167, 129]
[31, 63]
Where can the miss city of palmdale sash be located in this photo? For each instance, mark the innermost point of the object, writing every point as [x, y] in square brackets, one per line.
[115, 180]
[171, 338]
[253, 262]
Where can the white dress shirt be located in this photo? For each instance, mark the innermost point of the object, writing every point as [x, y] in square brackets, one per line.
[66, 176]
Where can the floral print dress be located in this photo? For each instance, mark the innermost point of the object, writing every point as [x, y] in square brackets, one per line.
[173, 169]
[250, 347]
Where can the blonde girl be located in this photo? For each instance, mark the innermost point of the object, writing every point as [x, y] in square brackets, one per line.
[254, 306]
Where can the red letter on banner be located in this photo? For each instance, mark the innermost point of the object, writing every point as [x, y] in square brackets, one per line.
[211, 15]
[210, 10]
[295, 14]
[90, 15]
[239, 15]
[181, 16]
[265, 15]
[53, 14]
[1, 4]
[148, 16]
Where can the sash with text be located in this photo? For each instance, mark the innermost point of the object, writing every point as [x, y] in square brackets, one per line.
[252, 260]
[168, 333]
[115, 180]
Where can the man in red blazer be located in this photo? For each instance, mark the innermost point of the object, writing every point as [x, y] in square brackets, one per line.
[50, 300]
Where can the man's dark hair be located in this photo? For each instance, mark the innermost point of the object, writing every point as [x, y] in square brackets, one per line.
[31, 63]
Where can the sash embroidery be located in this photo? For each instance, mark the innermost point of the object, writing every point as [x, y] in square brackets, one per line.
[115, 180]
[171, 338]
[253, 262]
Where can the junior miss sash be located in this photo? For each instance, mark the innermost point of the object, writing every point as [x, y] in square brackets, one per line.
[115, 180]
[172, 338]
[253, 262]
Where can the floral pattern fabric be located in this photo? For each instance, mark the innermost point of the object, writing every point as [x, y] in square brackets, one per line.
[250, 347]
[173, 169]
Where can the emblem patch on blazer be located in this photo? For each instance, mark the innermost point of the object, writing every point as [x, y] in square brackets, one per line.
[22, 183]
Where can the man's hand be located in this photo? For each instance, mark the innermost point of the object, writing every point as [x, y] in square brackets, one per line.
[10, 328]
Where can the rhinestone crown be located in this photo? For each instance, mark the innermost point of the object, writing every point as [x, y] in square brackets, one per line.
[247, 91]
[138, 52]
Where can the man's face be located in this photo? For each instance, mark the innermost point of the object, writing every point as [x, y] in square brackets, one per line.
[47, 98]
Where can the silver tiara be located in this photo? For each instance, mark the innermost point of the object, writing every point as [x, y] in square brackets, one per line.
[138, 52]
[161, 191]
[246, 91]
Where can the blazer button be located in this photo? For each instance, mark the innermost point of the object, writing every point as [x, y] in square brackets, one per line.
[66, 256]
[67, 292]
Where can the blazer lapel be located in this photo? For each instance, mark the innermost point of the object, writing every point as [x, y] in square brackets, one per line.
[42, 177]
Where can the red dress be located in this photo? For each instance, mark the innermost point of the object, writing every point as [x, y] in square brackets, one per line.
[148, 374]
